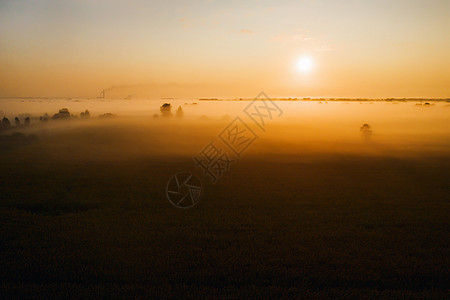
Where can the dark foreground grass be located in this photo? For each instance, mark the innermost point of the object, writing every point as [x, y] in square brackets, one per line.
[335, 227]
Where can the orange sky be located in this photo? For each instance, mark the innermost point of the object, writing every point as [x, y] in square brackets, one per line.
[370, 49]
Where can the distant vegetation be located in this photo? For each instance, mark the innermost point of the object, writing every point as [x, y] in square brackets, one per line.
[180, 112]
[333, 99]
[24, 120]
[366, 132]
[166, 110]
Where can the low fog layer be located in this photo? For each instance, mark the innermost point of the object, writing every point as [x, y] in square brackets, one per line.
[304, 130]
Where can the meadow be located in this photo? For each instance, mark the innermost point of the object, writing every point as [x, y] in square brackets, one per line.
[310, 210]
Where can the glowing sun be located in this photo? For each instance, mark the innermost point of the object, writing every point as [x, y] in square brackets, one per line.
[305, 64]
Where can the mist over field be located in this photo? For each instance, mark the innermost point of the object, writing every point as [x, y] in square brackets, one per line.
[206, 149]
[333, 198]
[306, 128]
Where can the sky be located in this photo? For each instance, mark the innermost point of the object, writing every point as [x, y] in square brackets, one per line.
[207, 48]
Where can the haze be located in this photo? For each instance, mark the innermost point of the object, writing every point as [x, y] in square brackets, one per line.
[207, 149]
[224, 48]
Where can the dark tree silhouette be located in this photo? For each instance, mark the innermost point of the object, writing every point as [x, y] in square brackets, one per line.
[5, 123]
[85, 114]
[44, 118]
[366, 132]
[62, 114]
[180, 112]
[17, 121]
[166, 110]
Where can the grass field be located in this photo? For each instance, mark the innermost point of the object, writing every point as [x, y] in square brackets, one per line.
[314, 225]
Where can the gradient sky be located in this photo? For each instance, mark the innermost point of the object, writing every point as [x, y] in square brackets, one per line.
[199, 48]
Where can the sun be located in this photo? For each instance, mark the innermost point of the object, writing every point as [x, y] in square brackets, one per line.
[305, 64]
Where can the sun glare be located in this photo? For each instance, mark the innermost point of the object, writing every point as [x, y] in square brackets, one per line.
[305, 64]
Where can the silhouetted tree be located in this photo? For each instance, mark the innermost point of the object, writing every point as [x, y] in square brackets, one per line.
[85, 114]
[180, 112]
[23, 116]
[26, 122]
[166, 110]
[62, 114]
[5, 123]
[17, 121]
[44, 118]
[366, 132]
